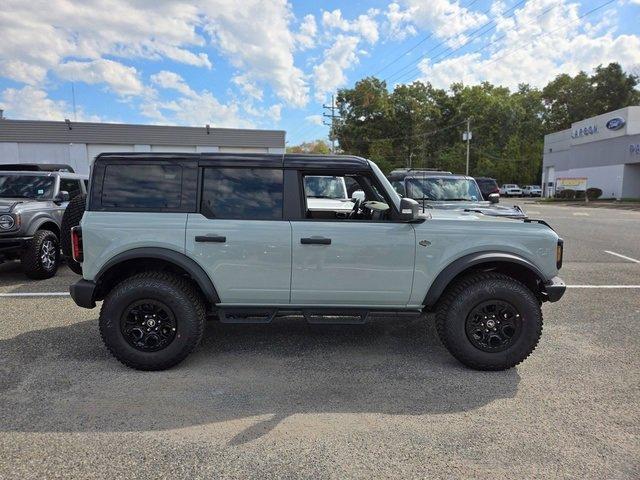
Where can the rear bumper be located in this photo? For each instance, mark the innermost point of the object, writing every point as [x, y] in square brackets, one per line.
[82, 293]
[554, 289]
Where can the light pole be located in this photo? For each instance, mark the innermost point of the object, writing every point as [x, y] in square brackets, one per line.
[467, 136]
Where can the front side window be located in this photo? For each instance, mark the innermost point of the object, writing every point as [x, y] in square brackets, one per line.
[242, 193]
[142, 186]
[317, 186]
[26, 186]
[443, 189]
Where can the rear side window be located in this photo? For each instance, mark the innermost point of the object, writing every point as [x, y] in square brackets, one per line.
[242, 193]
[142, 186]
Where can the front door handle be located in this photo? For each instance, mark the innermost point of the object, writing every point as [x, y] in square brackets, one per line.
[211, 239]
[315, 241]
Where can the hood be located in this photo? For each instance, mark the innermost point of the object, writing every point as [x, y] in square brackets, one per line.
[485, 208]
[8, 204]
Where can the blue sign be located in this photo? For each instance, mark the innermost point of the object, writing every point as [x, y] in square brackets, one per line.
[615, 123]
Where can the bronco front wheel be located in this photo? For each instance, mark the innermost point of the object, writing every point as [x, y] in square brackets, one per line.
[489, 321]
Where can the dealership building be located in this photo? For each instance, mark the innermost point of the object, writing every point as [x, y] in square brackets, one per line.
[77, 143]
[601, 152]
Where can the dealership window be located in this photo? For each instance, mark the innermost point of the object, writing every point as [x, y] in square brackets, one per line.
[143, 186]
[246, 193]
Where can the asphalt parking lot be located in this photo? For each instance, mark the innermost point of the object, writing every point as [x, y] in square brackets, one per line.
[293, 400]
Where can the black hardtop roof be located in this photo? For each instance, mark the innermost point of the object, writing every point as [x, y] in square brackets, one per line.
[304, 161]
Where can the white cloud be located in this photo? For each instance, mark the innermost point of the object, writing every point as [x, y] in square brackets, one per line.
[399, 24]
[123, 80]
[314, 119]
[256, 38]
[442, 17]
[248, 87]
[329, 74]
[171, 80]
[533, 48]
[32, 103]
[197, 109]
[364, 25]
[38, 37]
[306, 36]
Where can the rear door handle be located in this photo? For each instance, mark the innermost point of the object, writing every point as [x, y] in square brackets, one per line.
[315, 241]
[211, 239]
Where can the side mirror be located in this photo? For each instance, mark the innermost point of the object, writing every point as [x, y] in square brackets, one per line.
[358, 195]
[494, 197]
[61, 197]
[409, 209]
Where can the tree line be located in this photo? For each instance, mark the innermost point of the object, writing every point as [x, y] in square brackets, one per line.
[419, 125]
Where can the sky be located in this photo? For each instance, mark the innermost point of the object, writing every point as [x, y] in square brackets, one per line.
[272, 64]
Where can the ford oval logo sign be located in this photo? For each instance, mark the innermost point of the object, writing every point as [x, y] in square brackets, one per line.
[615, 123]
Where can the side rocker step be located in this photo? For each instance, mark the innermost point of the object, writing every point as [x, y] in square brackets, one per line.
[247, 315]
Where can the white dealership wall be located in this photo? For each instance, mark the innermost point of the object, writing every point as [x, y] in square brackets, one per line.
[77, 144]
[604, 149]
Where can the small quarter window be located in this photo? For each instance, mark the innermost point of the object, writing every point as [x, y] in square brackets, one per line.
[142, 186]
[243, 193]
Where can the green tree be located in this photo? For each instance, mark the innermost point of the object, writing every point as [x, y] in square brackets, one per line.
[316, 146]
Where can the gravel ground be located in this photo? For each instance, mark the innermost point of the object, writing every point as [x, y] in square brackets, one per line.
[294, 400]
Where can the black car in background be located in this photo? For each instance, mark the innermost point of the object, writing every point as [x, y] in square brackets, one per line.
[487, 186]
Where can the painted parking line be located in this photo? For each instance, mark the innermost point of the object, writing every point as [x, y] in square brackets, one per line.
[35, 294]
[583, 214]
[603, 286]
[622, 256]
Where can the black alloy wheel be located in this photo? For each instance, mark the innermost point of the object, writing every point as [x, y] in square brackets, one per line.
[493, 325]
[148, 325]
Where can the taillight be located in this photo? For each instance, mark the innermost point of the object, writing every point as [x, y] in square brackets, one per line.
[76, 244]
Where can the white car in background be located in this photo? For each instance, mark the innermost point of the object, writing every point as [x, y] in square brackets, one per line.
[327, 194]
[510, 190]
[532, 191]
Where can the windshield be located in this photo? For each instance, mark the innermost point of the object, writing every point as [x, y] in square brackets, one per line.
[325, 187]
[26, 186]
[443, 189]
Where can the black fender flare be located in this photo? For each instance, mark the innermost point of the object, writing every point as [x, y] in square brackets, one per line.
[195, 271]
[458, 266]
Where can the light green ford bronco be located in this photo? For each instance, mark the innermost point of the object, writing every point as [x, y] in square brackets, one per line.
[169, 239]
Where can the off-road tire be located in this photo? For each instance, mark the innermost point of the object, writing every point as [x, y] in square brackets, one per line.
[31, 260]
[71, 218]
[468, 292]
[175, 292]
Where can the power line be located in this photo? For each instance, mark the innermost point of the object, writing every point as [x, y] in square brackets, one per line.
[449, 39]
[399, 57]
[439, 58]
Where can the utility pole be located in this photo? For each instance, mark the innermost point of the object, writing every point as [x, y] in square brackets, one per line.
[332, 108]
[467, 136]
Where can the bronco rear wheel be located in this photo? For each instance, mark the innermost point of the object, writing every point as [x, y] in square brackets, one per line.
[152, 321]
[489, 321]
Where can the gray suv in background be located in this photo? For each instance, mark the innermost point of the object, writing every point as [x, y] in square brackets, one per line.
[444, 190]
[33, 199]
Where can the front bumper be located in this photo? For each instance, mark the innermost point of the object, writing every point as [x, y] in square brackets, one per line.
[554, 289]
[82, 293]
[10, 244]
